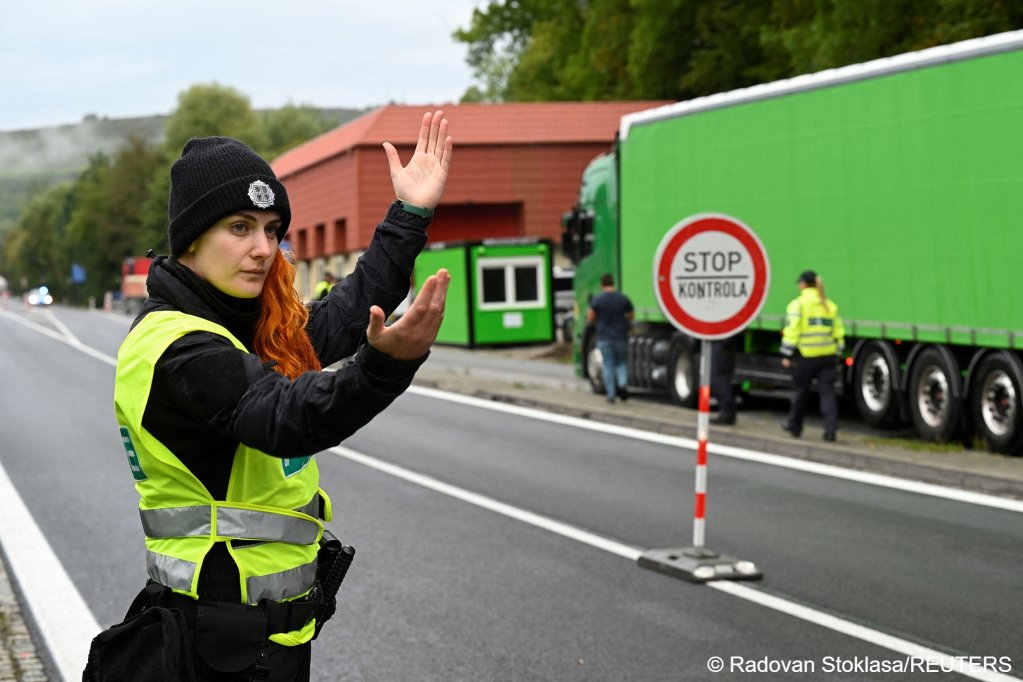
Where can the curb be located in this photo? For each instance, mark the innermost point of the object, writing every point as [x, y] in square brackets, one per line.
[19, 658]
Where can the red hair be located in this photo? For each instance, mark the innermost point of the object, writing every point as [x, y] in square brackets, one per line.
[280, 332]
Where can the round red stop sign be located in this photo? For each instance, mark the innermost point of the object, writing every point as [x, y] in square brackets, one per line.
[711, 275]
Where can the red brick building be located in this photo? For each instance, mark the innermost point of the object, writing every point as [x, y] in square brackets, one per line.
[516, 169]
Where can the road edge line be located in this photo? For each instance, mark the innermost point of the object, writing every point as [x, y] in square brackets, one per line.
[58, 610]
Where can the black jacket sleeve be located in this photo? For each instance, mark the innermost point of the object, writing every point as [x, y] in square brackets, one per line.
[205, 380]
[337, 324]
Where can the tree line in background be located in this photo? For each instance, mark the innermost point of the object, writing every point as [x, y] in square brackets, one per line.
[551, 50]
[519, 50]
[117, 206]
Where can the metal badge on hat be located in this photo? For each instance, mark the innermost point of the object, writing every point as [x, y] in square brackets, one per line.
[261, 194]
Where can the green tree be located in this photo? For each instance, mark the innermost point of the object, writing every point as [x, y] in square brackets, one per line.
[213, 109]
[290, 126]
[109, 198]
[823, 34]
[82, 243]
[203, 110]
[726, 51]
[541, 72]
[497, 37]
[679, 49]
[34, 253]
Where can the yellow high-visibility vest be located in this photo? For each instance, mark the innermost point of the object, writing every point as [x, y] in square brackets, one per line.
[272, 501]
[812, 328]
[322, 287]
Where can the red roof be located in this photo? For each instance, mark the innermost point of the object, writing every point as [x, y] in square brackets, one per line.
[470, 124]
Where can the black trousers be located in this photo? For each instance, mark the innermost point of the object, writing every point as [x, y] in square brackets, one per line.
[823, 370]
[722, 372]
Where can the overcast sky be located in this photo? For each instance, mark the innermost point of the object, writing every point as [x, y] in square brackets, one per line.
[63, 59]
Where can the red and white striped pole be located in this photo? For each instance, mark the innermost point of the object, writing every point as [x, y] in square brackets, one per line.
[702, 432]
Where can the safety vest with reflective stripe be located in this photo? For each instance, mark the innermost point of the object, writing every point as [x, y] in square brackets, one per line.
[272, 503]
[812, 328]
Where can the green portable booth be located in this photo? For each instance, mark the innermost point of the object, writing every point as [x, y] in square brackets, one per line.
[500, 292]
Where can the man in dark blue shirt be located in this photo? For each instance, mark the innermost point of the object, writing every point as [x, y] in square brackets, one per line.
[612, 312]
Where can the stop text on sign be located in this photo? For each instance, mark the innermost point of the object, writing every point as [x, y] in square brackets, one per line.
[713, 273]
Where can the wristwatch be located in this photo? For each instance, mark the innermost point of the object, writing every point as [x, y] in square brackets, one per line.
[420, 211]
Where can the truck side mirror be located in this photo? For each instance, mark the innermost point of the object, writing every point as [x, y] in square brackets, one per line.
[577, 237]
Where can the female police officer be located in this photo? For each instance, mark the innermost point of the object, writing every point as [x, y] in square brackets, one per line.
[813, 332]
[221, 406]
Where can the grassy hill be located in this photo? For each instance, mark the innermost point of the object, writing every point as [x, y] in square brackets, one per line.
[34, 160]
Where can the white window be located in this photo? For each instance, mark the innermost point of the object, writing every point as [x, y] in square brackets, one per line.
[511, 283]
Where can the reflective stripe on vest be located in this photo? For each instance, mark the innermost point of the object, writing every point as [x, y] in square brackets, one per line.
[177, 574]
[239, 524]
[273, 508]
[291, 583]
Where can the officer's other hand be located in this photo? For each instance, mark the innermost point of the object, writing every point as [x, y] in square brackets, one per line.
[411, 336]
[786, 363]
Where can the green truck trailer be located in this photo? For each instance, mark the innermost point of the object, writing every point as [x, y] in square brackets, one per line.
[900, 181]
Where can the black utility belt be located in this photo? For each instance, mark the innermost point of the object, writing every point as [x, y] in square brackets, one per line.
[271, 617]
[164, 630]
[155, 642]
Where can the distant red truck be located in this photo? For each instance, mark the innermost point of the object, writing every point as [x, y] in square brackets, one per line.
[134, 271]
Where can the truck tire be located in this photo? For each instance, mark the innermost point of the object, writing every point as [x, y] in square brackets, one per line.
[683, 377]
[932, 389]
[594, 364]
[995, 402]
[875, 383]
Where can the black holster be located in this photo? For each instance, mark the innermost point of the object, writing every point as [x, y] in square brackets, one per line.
[333, 562]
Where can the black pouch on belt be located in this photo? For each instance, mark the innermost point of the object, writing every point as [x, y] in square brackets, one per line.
[229, 637]
[152, 645]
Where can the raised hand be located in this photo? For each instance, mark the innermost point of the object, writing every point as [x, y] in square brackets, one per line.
[421, 182]
[411, 336]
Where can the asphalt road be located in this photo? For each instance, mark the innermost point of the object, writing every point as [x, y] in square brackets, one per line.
[464, 575]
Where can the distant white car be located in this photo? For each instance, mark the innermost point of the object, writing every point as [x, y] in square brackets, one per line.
[40, 296]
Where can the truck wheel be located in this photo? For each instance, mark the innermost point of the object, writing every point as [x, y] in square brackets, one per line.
[683, 382]
[566, 329]
[874, 382]
[995, 402]
[594, 365]
[932, 403]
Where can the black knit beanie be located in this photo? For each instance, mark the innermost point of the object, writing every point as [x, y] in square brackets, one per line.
[215, 177]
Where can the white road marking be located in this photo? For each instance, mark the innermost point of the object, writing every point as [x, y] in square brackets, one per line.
[563, 529]
[74, 627]
[947, 662]
[63, 329]
[64, 620]
[76, 344]
[868, 478]
[944, 662]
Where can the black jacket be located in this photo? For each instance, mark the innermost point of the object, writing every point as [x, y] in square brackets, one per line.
[208, 396]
